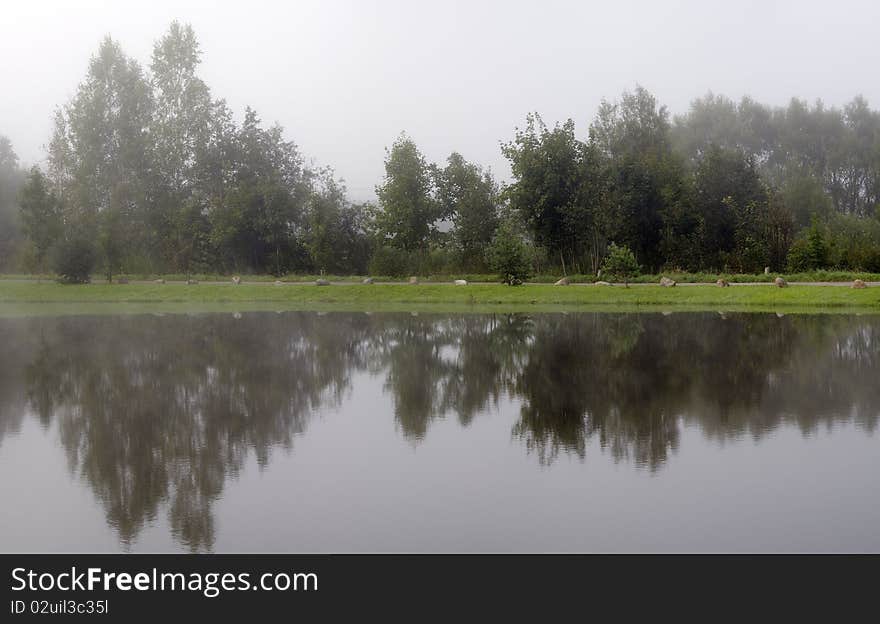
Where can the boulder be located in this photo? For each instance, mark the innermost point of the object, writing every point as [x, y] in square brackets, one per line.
[367, 280]
[321, 282]
[601, 283]
[192, 281]
[780, 283]
[236, 280]
[563, 282]
[667, 282]
[460, 282]
[858, 284]
[722, 283]
[159, 281]
[279, 283]
[413, 280]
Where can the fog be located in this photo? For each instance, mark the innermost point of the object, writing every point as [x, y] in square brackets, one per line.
[345, 78]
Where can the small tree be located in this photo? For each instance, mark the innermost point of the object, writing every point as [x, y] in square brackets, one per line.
[817, 251]
[621, 263]
[509, 255]
[74, 259]
[810, 250]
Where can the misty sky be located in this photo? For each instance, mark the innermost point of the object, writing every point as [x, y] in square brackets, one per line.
[345, 78]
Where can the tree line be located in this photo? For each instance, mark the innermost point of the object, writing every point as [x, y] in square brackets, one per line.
[148, 172]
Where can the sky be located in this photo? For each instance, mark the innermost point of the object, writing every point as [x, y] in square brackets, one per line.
[345, 78]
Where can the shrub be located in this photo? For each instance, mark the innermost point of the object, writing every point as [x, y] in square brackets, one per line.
[74, 260]
[509, 255]
[620, 263]
[390, 261]
[809, 251]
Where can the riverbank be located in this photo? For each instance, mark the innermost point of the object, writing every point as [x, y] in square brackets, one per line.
[445, 296]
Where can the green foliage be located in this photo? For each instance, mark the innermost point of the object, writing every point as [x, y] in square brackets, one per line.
[853, 243]
[547, 171]
[730, 201]
[822, 158]
[509, 255]
[750, 237]
[469, 197]
[163, 178]
[807, 199]
[100, 148]
[392, 261]
[12, 178]
[335, 237]
[398, 263]
[809, 252]
[620, 263]
[41, 216]
[407, 210]
[74, 259]
[646, 193]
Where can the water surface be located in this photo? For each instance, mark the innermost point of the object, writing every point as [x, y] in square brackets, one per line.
[311, 432]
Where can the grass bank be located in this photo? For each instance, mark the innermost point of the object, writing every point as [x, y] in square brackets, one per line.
[447, 296]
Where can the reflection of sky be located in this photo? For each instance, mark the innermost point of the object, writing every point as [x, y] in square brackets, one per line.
[352, 483]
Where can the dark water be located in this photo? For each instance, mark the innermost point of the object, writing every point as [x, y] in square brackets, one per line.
[306, 432]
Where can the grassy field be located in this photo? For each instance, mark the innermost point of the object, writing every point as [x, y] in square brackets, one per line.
[444, 296]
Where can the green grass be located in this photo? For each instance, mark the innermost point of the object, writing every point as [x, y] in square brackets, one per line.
[445, 296]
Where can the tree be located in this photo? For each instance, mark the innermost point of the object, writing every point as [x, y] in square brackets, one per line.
[101, 154]
[181, 131]
[469, 198]
[188, 237]
[335, 237]
[41, 215]
[74, 259]
[182, 105]
[408, 211]
[779, 230]
[12, 178]
[258, 222]
[750, 253]
[817, 254]
[717, 120]
[620, 263]
[644, 176]
[726, 183]
[548, 167]
[508, 254]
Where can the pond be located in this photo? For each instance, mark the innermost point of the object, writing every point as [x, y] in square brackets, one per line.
[399, 432]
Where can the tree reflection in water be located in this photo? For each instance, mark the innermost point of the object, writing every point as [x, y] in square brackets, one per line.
[158, 412]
